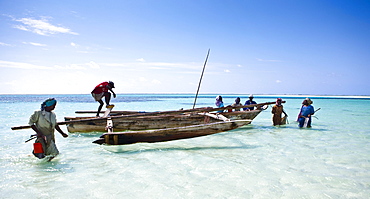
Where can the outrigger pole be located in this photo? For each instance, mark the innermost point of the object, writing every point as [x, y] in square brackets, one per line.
[196, 96]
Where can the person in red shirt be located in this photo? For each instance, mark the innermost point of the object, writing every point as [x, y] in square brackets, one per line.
[102, 90]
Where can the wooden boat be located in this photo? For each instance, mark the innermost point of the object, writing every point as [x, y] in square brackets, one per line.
[91, 124]
[159, 120]
[162, 135]
[155, 121]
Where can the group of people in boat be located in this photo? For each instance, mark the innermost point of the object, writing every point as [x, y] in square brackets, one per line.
[304, 116]
[219, 103]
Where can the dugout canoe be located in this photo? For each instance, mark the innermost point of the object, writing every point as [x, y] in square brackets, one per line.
[169, 134]
[158, 120]
[155, 122]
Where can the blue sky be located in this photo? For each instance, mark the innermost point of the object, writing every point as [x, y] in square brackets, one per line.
[256, 46]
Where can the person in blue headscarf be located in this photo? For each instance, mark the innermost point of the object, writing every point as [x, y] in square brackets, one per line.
[44, 122]
[219, 103]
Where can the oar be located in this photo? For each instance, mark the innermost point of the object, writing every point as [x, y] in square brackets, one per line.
[197, 110]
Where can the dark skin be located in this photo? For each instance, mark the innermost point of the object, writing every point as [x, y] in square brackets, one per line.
[107, 97]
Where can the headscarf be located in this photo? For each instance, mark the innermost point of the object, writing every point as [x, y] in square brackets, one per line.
[237, 100]
[48, 102]
[278, 101]
[218, 100]
[309, 101]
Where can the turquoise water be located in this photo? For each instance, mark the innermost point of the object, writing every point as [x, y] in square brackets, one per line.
[330, 160]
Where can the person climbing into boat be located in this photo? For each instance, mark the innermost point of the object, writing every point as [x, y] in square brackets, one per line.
[102, 90]
[307, 111]
[219, 103]
[236, 104]
[277, 110]
[249, 102]
[44, 122]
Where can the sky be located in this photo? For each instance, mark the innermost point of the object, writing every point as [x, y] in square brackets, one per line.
[313, 47]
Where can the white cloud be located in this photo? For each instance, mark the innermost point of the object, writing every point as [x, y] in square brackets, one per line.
[41, 27]
[93, 65]
[278, 81]
[141, 60]
[72, 67]
[84, 66]
[34, 44]
[4, 44]
[73, 44]
[8, 64]
[226, 71]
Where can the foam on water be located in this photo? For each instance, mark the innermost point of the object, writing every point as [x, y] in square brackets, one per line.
[330, 160]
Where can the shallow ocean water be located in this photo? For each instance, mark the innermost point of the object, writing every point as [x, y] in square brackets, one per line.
[330, 160]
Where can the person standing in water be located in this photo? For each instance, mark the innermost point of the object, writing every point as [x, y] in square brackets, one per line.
[277, 110]
[307, 111]
[309, 101]
[44, 122]
[102, 90]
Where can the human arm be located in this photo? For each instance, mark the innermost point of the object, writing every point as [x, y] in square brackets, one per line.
[285, 113]
[34, 118]
[273, 110]
[111, 90]
[309, 111]
[60, 131]
[39, 134]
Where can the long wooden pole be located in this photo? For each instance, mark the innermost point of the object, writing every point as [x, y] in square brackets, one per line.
[201, 77]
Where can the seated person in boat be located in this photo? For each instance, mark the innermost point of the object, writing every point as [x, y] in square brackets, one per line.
[249, 102]
[236, 104]
[102, 90]
[219, 103]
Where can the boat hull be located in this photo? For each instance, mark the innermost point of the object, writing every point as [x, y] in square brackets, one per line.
[152, 122]
[162, 135]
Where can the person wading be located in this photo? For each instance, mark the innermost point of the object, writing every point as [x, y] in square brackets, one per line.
[44, 122]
